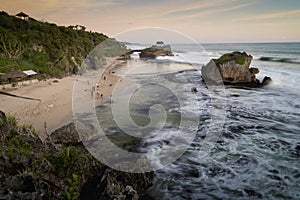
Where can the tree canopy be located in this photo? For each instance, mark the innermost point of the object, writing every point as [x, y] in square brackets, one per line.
[44, 47]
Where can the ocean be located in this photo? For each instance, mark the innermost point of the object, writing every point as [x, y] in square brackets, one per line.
[256, 152]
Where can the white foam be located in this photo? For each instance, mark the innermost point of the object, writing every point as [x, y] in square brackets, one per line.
[190, 57]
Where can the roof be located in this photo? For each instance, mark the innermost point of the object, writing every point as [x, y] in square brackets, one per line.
[21, 14]
[29, 72]
[15, 74]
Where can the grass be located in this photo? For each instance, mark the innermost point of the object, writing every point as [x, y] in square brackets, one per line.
[239, 58]
[12, 120]
[68, 160]
[19, 145]
[71, 193]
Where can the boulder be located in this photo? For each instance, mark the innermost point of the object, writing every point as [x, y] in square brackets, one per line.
[231, 69]
[254, 70]
[194, 90]
[66, 135]
[267, 80]
[4, 124]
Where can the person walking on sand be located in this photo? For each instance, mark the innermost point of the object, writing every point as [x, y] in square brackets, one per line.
[101, 99]
[92, 91]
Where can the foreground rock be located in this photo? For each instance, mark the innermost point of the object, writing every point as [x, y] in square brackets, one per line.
[160, 49]
[58, 168]
[232, 69]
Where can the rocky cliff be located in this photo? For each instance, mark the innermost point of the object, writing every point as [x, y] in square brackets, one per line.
[232, 69]
[58, 168]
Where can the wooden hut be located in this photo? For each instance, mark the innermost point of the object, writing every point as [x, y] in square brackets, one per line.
[22, 15]
[14, 76]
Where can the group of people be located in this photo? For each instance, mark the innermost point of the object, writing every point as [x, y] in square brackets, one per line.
[96, 92]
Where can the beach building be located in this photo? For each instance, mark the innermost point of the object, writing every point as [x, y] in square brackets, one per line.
[30, 74]
[14, 76]
[22, 15]
[17, 78]
[160, 43]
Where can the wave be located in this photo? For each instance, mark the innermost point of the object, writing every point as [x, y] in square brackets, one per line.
[191, 57]
[282, 60]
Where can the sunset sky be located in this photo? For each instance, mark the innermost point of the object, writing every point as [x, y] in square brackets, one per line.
[202, 20]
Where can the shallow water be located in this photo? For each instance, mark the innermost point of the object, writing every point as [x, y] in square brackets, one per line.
[258, 152]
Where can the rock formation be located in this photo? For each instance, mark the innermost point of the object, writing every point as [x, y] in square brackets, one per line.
[156, 50]
[58, 168]
[267, 80]
[232, 69]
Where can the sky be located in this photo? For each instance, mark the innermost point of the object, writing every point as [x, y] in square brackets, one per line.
[176, 21]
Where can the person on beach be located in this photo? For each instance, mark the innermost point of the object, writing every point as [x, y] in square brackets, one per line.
[92, 91]
[101, 98]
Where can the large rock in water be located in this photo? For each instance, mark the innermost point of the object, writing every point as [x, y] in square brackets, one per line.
[155, 51]
[231, 69]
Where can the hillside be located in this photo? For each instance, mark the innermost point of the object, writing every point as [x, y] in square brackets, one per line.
[59, 167]
[50, 50]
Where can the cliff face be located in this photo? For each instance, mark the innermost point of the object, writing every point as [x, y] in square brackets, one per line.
[231, 69]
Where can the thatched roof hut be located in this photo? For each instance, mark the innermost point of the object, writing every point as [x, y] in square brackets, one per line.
[15, 74]
[22, 15]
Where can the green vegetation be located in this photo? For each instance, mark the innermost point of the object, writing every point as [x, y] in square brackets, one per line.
[50, 50]
[19, 145]
[71, 192]
[68, 166]
[238, 57]
[68, 160]
[240, 60]
[11, 120]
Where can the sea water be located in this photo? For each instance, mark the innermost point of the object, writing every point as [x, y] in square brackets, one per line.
[257, 154]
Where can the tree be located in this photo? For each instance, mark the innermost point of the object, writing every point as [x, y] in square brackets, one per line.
[10, 46]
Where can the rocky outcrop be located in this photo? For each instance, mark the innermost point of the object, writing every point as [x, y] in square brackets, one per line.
[59, 168]
[267, 80]
[194, 90]
[155, 51]
[231, 69]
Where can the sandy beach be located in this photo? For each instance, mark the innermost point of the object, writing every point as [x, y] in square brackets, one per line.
[55, 107]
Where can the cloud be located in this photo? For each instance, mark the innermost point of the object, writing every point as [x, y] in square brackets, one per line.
[274, 15]
[208, 7]
[215, 11]
[51, 7]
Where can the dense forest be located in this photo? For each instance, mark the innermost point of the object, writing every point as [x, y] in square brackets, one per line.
[50, 50]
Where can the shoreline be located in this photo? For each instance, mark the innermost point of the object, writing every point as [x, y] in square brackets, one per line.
[55, 108]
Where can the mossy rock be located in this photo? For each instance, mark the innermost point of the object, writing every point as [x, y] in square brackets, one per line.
[239, 58]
